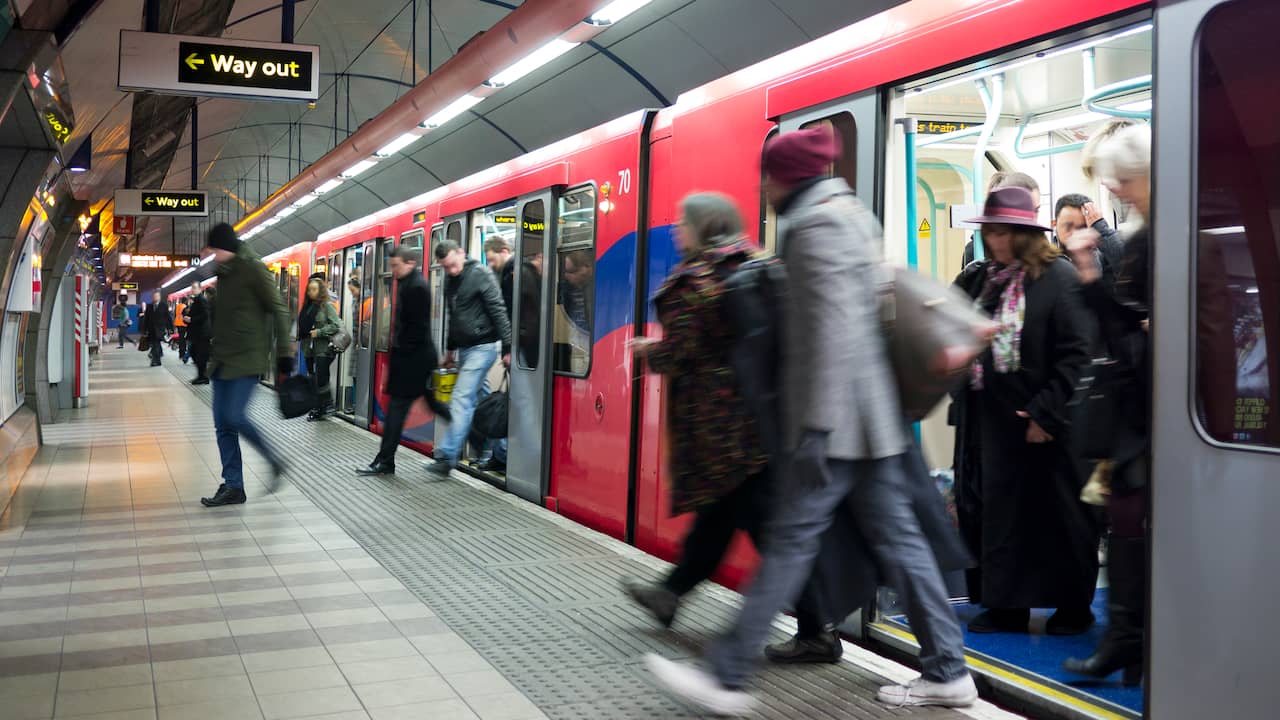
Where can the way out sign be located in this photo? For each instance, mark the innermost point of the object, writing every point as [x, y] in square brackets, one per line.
[196, 65]
[171, 203]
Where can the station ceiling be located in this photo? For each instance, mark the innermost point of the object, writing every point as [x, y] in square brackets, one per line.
[372, 52]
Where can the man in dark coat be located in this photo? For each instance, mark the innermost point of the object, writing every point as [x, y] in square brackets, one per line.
[413, 355]
[157, 325]
[198, 331]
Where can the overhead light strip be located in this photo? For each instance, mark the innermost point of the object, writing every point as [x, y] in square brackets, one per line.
[615, 11]
[451, 111]
[358, 168]
[398, 144]
[531, 62]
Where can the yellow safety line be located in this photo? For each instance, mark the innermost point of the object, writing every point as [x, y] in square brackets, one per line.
[1016, 679]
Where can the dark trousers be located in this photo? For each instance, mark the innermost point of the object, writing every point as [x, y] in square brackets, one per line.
[157, 349]
[392, 427]
[746, 509]
[231, 422]
[318, 371]
[199, 352]
[183, 344]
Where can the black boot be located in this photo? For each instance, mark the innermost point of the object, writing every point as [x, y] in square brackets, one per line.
[824, 647]
[659, 601]
[1069, 621]
[225, 496]
[1121, 645]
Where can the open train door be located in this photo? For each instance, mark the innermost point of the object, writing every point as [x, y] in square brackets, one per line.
[453, 228]
[1216, 361]
[529, 416]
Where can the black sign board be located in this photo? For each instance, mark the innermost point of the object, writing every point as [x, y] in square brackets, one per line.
[244, 67]
[174, 201]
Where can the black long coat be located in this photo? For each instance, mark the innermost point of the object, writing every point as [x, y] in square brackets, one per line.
[1019, 503]
[198, 326]
[413, 356]
[157, 322]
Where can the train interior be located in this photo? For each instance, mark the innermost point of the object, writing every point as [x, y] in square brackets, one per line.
[566, 303]
[1031, 113]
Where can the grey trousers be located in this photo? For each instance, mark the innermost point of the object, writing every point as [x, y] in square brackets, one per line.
[877, 492]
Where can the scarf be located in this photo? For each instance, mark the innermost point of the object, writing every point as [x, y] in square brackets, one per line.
[1006, 283]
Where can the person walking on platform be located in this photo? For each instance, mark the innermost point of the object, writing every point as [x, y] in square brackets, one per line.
[478, 327]
[198, 331]
[718, 463]
[846, 438]
[413, 356]
[157, 326]
[120, 313]
[1018, 479]
[248, 315]
[317, 324]
[180, 324]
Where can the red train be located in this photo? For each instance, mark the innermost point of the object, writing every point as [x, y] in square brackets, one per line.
[930, 97]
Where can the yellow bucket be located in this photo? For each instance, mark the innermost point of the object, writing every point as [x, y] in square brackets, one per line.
[444, 381]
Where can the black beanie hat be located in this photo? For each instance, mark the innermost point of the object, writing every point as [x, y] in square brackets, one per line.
[316, 276]
[223, 237]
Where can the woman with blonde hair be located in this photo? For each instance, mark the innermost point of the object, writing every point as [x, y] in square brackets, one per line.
[317, 324]
[1019, 483]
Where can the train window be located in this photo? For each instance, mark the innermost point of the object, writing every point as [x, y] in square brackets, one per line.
[846, 166]
[453, 231]
[576, 285]
[1238, 226]
[366, 298]
[768, 216]
[493, 224]
[382, 341]
[437, 237]
[528, 326]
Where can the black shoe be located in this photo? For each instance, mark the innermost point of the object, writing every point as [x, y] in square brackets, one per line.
[377, 469]
[440, 469]
[225, 496]
[1001, 620]
[200, 381]
[492, 465]
[659, 601]
[1069, 621]
[822, 648]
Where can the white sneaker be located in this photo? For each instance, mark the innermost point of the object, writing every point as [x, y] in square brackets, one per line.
[960, 692]
[698, 688]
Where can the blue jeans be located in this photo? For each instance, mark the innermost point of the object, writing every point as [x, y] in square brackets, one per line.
[473, 368]
[230, 401]
[877, 492]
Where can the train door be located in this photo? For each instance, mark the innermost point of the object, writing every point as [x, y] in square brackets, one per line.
[529, 418]
[453, 229]
[1215, 477]
[364, 346]
[354, 289]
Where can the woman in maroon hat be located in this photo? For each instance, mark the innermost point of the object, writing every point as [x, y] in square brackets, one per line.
[1018, 484]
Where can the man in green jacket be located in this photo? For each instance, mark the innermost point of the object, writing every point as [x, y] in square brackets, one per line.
[248, 315]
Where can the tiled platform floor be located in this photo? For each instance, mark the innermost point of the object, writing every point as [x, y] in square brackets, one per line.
[338, 597]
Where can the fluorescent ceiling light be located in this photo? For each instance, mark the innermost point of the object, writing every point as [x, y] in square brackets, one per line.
[616, 10]
[358, 168]
[453, 110]
[1229, 230]
[397, 145]
[531, 62]
[331, 185]
[286, 212]
[304, 201]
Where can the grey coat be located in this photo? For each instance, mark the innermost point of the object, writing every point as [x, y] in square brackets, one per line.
[836, 373]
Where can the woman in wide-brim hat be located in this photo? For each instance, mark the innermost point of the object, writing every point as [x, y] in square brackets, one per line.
[1018, 484]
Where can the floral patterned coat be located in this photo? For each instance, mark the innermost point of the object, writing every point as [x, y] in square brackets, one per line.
[712, 437]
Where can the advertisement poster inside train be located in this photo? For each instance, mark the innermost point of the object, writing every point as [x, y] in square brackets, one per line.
[1253, 384]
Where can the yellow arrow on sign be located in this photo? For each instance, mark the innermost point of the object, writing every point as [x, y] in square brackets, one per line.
[194, 60]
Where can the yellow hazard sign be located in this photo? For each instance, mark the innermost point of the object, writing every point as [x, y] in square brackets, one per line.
[926, 230]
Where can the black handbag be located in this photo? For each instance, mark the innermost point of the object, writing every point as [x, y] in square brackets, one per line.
[1097, 409]
[490, 419]
[297, 395]
[144, 343]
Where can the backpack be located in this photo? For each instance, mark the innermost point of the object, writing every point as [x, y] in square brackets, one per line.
[754, 294]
